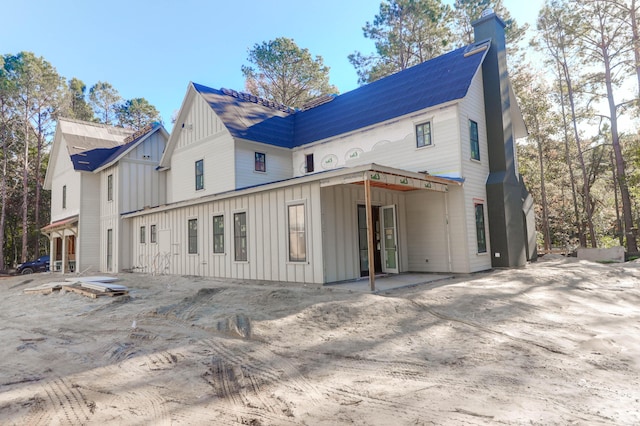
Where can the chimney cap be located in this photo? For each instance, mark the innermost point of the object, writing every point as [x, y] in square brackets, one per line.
[488, 11]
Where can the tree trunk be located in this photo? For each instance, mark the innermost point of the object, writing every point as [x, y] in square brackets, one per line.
[3, 197]
[631, 244]
[567, 153]
[633, 15]
[619, 232]
[585, 178]
[37, 206]
[25, 188]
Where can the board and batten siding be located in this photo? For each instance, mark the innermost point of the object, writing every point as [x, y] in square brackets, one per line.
[142, 185]
[88, 241]
[202, 136]
[340, 228]
[475, 172]
[64, 175]
[267, 237]
[392, 144]
[278, 164]
[110, 219]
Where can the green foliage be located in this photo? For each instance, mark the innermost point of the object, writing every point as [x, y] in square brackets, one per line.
[284, 73]
[79, 108]
[137, 113]
[105, 101]
[406, 33]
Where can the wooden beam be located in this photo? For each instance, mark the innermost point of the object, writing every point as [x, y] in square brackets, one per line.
[370, 242]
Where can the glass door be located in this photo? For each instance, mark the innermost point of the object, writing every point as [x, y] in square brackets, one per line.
[389, 239]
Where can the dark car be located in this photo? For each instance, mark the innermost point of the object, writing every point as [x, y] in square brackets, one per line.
[41, 264]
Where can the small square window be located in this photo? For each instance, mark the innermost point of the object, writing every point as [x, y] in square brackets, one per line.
[260, 162]
[309, 161]
[475, 142]
[423, 134]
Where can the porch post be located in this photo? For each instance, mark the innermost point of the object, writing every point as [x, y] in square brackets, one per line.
[371, 260]
[64, 252]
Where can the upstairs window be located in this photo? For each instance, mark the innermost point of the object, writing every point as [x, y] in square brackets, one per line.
[64, 197]
[199, 175]
[423, 134]
[192, 236]
[475, 143]
[309, 160]
[481, 234]
[110, 188]
[260, 162]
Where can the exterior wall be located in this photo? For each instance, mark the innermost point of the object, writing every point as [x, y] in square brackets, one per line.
[88, 243]
[475, 172]
[393, 144]
[428, 240]
[340, 228]
[203, 137]
[278, 164]
[267, 238]
[64, 175]
[110, 218]
[141, 184]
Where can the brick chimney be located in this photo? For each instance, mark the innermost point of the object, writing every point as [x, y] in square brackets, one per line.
[507, 230]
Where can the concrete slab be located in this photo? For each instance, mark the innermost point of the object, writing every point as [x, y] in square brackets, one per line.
[389, 282]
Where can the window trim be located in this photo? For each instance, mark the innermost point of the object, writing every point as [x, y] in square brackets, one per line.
[153, 233]
[477, 140]
[289, 204]
[110, 187]
[213, 234]
[189, 236]
[199, 183]
[481, 241]
[308, 157]
[415, 131]
[257, 163]
[143, 234]
[246, 236]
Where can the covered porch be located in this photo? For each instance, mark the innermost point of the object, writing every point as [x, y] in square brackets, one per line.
[63, 235]
[384, 221]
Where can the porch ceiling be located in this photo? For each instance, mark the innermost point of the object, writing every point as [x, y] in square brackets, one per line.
[68, 223]
[394, 181]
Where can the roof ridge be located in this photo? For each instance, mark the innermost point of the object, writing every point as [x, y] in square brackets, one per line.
[244, 96]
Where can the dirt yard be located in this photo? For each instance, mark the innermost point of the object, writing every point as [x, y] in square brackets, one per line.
[556, 342]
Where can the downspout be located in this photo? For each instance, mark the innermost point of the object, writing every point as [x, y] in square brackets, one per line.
[447, 229]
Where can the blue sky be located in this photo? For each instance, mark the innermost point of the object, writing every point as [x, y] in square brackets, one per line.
[153, 49]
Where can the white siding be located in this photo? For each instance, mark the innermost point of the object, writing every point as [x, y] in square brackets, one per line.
[392, 144]
[340, 228]
[475, 172]
[88, 243]
[64, 175]
[203, 137]
[141, 184]
[267, 238]
[109, 218]
[428, 236]
[278, 164]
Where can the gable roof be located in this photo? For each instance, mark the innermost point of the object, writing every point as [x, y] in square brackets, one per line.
[434, 82]
[98, 158]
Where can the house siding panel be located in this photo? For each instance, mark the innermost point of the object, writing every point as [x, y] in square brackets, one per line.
[267, 257]
[64, 175]
[278, 163]
[392, 144]
[88, 247]
[475, 172]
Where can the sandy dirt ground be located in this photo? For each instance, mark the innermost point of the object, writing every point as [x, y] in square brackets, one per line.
[555, 342]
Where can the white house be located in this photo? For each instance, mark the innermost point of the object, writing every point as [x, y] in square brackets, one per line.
[96, 173]
[416, 172]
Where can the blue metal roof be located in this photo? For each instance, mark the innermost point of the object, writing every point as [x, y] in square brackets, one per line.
[88, 161]
[437, 81]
